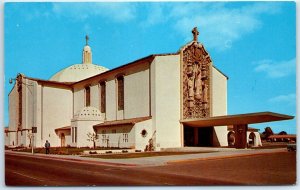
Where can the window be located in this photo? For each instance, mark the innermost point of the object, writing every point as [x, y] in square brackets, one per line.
[87, 96]
[103, 97]
[125, 137]
[120, 93]
[74, 134]
[104, 140]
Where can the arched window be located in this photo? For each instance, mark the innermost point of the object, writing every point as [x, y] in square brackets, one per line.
[102, 97]
[87, 96]
[120, 80]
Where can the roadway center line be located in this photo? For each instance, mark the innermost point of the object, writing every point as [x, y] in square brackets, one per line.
[27, 176]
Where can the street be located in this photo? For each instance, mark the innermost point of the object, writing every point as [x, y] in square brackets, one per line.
[269, 169]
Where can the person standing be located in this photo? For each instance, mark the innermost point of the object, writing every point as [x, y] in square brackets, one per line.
[47, 146]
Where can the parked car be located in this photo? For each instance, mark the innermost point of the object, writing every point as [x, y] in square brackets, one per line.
[291, 147]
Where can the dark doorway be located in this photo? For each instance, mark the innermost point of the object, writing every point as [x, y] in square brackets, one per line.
[201, 136]
[205, 135]
[188, 136]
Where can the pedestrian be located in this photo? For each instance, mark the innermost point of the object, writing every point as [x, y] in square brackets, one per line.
[47, 146]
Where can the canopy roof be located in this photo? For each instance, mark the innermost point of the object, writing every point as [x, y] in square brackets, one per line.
[249, 118]
[122, 122]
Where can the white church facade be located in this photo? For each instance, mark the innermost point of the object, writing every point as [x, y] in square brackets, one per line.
[160, 101]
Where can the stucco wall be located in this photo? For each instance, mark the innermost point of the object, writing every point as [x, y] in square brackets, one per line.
[165, 99]
[13, 115]
[79, 98]
[118, 138]
[57, 113]
[219, 106]
[140, 141]
[95, 97]
[136, 92]
[83, 128]
[111, 104]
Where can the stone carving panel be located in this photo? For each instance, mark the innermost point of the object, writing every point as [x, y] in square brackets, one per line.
[196, 81]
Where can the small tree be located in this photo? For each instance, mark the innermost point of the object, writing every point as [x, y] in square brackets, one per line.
[282, 133]
[93, 137]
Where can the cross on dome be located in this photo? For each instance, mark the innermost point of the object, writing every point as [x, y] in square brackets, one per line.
[86, 39]
[195, 33]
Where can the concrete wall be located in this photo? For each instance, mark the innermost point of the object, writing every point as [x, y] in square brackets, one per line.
[219, 106]
[79, 98]
[111, 103]
[140, 141]
[117, 136]
[165, 101]
[57, 112]
[136, 92]
[95, 97]
[13, 115]
[83, 128]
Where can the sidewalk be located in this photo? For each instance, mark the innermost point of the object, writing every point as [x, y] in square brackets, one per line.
[156, 160]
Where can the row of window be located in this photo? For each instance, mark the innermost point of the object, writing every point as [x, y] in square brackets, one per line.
[120, 88]
[105, 138]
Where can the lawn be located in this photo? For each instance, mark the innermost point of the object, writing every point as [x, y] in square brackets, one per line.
[60, 150]
[142, 154]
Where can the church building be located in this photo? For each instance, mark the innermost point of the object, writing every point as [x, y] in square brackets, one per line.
[156, 102]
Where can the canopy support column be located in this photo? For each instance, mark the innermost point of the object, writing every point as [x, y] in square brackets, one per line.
[240, 135]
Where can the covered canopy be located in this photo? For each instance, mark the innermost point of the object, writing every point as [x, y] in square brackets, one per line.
[249, 118]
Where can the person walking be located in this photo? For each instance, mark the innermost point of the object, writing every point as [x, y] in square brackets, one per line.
[47, 146]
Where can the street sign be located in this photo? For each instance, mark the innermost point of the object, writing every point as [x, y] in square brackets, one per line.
[34, 129]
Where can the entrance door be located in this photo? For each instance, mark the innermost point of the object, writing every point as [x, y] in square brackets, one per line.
[205, 136]
[188, 136]
[63, 139]
[202, 136]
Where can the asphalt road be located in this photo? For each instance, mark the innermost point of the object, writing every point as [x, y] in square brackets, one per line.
[269, 169]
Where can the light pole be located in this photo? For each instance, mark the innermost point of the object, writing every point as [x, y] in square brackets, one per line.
[19, 81]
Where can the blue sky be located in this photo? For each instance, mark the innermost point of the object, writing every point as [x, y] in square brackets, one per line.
[253, 43]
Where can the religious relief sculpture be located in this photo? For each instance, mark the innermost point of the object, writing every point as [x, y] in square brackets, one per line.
[196, 80]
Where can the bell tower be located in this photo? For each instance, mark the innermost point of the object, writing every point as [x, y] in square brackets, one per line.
[87, 52]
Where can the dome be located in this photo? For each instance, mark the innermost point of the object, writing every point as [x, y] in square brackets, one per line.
[78, 72]
[88, 113]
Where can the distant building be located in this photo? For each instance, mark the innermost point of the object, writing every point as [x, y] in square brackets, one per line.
[160, 101]
[282, 138]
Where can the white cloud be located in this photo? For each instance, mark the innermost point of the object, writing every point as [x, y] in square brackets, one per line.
[119, 12]
[276, 69]
[286, 99]
[219, 25]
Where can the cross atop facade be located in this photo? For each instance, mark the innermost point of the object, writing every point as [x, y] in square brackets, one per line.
[195, 33]
[86, 39]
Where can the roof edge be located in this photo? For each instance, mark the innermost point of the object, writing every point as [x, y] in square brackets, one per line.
[151, 56]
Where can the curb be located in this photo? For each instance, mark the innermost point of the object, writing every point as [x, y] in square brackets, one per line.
[75, 160]
[223, 157]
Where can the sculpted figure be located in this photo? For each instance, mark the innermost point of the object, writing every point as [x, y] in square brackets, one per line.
[198, 84]
[205, 93]
[190, 82]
